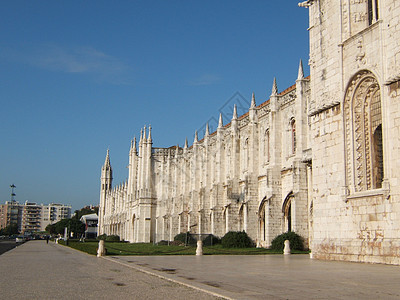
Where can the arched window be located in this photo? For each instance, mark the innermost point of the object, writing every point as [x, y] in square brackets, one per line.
[287, 212]
[246, 154]
[241, 219]
[363, 128]
[261, 217]
[373, 11]
[293, 135]
[266, 146]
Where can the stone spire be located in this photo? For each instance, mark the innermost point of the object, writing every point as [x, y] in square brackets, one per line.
[207, 130]
[274, 98]
[253, 109]
[274, 88]
[185, 148]
[141, 136]
[253, 101]
[134, 144]
[144, 133]
[196, 139]
[220, 124]
[235, 116]
[300, 75]
[177, 151]
[107, 162]
[149, 140]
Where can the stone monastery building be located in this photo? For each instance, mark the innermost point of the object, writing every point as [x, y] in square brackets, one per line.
[321, 158]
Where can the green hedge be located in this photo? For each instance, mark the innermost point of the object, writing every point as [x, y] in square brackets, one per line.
[296, 241]
[108, 238]
[236, 239]
[211, 240]
[185, 238]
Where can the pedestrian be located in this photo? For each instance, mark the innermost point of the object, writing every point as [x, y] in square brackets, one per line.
[47, 239]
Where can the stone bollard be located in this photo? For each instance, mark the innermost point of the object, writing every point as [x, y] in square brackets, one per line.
[199, 249]
[286, 250]
[101, 250]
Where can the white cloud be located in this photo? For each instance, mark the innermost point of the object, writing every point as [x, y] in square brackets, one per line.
[78, 59]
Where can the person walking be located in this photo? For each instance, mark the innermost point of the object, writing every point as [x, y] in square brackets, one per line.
[47, 239]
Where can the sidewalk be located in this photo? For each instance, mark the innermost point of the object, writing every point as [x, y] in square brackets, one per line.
[36, 270]
[274, 276]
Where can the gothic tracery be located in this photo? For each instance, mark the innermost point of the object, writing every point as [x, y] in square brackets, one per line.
[363, 123]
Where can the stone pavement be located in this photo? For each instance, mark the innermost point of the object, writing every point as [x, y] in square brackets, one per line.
[274, 276]
[36, 270]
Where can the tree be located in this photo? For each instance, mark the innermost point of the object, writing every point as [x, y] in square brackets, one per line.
[85, 211]
[75, 226]
[9, 230]
[51, 229]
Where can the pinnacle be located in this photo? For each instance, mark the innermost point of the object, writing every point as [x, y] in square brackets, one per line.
[274, 88]
[149, 139]
[234, 117]
[253, 101]
[107, 162]
[301, 71]
[220, 124]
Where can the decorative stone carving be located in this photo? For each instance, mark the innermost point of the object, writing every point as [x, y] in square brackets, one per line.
[360, 99]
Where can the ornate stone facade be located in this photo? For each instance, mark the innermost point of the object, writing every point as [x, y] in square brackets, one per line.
[320, 158]
[251, 174]
[355, 54]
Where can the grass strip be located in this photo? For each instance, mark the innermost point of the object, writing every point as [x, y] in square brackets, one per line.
[148, 249]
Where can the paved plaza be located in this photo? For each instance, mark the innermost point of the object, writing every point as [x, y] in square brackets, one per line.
[36, 270]
[274, 276]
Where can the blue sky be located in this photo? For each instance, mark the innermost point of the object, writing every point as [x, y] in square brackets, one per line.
[78, 77]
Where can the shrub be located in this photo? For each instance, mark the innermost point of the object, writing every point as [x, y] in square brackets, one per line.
[211, 240]
[176, 243]
[185, 238]
[112, 238]
[296, 241]
[163, 243]
[236, 239]
[102, 237]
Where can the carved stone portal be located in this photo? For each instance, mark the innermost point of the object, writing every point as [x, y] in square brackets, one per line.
[363, 129]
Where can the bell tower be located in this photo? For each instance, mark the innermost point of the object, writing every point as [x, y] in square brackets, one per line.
[105, 186]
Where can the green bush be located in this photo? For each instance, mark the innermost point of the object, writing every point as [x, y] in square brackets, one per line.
[211, 240]
[102, 237]
[163, 243]
[296, 241]
[236, 239]
[185, 238]
[112, 238]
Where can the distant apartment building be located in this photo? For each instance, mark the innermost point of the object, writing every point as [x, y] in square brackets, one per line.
[54, 212]
[32, 217]
[10, 213]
